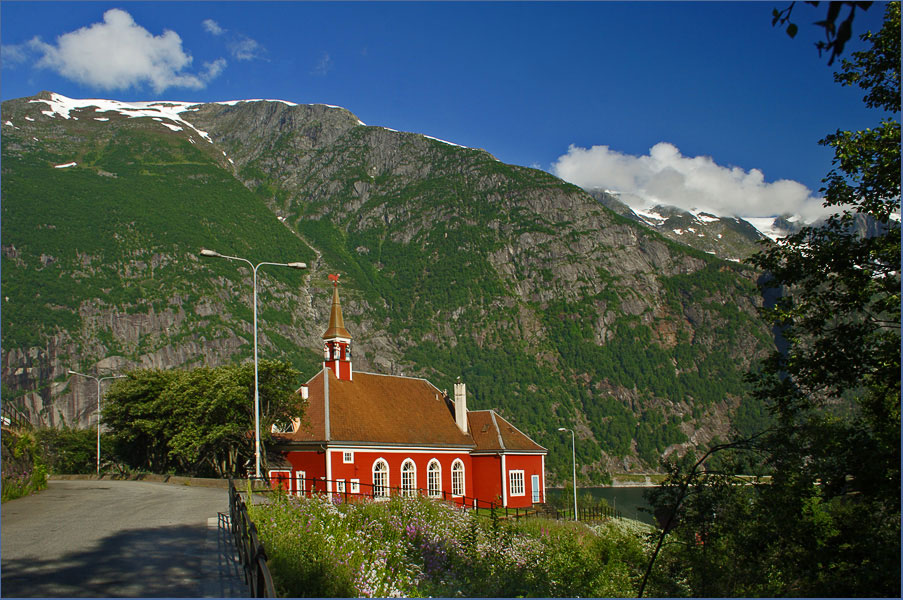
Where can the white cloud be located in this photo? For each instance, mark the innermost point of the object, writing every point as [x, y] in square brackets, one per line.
[665, 176]
[119, 54]
[244, 48]
[241, 46]
[324, 65]
[211, 26]
[212, 70]
[13, 54]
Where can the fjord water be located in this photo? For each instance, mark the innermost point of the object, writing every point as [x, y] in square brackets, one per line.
[628, 500]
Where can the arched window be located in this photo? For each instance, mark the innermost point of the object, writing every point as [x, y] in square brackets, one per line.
[380, 479]
[457, 478]
[434, 479]
[408, 478]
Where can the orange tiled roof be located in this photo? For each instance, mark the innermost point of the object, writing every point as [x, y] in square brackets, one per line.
[377, 409]
[492, 433]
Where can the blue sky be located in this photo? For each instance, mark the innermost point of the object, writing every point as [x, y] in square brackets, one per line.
[732, 106]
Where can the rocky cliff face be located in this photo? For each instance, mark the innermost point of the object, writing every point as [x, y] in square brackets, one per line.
[554, 309]
[729, 238]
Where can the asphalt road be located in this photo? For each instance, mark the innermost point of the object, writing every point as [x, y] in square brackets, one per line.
[105, 538]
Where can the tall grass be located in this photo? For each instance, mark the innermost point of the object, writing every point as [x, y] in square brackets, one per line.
[416, 547]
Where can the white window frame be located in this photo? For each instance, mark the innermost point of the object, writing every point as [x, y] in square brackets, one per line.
[381, 489]
[457, 478]
[355, 486]
[348, 457]
[534, 483]
[408, 478]
[288, 480]
[516, 485]
[434, 479]
[300, 483]
[340, 486]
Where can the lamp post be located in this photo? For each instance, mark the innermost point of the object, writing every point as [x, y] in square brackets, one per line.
[574, 456]
[98, 380]
[291, 265]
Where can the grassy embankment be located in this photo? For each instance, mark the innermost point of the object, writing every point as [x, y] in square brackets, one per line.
[416, 547]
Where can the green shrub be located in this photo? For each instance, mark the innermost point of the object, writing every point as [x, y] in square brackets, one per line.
[22, 470]
[68, 450]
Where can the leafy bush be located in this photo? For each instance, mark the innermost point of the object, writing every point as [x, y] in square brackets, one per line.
[22, 469]
[68, 450]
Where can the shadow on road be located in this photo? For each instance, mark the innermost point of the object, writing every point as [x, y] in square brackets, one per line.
[152, 562]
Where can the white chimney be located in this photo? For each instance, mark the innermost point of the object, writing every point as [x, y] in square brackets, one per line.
[304, 391]
[461, 407]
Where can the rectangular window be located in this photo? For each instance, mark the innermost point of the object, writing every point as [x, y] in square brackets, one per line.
[340, 486]
[355, 486]
[347, 457]
[300, 483]
[516, 483]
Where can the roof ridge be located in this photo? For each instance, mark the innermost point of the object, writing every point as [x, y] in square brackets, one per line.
[326, 432]
[514, 427]
[498, 431]
[318, 373]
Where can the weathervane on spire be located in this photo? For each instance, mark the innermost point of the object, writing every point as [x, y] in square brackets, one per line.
[334, 279]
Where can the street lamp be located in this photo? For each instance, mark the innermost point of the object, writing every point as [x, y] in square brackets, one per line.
[574, 456]
[98, 380]
[291, 265]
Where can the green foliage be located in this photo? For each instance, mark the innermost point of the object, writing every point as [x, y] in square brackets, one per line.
[116, 230]
[197, 422]
[837, 403]
[828, 521]
[836, 35]
[416, 547]
[711, 517]
[23, 470]
[67, 450]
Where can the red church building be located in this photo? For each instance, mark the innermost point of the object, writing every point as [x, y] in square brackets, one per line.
[376, 435]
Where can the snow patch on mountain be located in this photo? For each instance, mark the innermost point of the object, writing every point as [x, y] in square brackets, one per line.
[654, 215]
[158, 110]
[443, 141]
[767, 226]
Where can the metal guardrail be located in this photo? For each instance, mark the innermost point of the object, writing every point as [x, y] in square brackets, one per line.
[251, 552]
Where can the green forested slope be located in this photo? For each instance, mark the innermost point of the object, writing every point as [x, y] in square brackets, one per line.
[553, 309]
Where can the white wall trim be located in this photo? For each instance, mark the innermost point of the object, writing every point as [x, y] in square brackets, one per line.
[328, 470]
[392, 449]
[504, 482]
[543, 478]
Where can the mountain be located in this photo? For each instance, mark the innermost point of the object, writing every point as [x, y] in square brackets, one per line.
[730, 238]
[554, 309]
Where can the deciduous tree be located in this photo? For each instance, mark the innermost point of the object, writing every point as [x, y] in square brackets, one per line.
[199, 421]
[828, 523]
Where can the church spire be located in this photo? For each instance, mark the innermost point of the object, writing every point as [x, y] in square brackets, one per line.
[337, 345]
